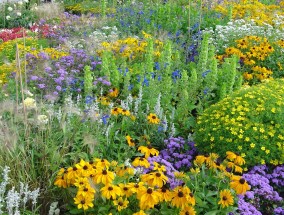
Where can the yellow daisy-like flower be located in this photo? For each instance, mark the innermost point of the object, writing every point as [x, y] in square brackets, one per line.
[87, 191]
[110, 191]
[125, 112]
[139, 161]
[136, 187]
[182, 196]
[231, 155]
[166, 194]
[130, 141]
[226, 198]
[121, 203]
[159, 167]
[85, 167]
[113, 92]
[239, 184]
[61, 180]
[239, 160]
[141, 212]
[155, 179]
[187, 210]
[153, 119]
[102, 163]
[84, 202]
[116, 111]
[199, 160]
[104, 176]
[148, 150]
[81, 182]
[148, 198]
[125, 190]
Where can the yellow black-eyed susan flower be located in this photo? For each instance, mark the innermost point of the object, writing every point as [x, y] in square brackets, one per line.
[226, 198]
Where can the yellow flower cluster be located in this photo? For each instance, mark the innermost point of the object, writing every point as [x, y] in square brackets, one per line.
[131, 47]
[98, 179]
[252, 50]
[80, 9]
[31, 46]
[232, 162]
[251, 9]
[250, 121]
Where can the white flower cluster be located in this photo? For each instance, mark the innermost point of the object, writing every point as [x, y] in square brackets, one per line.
[93, 41]
[224, 36]
[12, 201]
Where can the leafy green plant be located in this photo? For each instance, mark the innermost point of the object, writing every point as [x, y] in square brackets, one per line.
[248, 122]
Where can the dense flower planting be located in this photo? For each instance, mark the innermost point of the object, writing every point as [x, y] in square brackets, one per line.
[141, 107]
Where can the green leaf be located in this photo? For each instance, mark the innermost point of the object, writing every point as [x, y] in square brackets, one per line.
[211, 193]
[76, 211]
[212, 212]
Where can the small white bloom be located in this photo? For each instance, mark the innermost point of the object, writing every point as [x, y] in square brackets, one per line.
[43, 119]
[20, 3]
[10, 9]
[8, 17]
[26, 1]
[19, 14]
[30, 103]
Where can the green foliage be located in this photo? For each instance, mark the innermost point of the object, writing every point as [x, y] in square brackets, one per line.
[249, 122]
[16, 15]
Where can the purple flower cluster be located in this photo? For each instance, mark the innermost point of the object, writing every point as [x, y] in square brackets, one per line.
[263, 195]
[170, 170]
[246, 208]
[179, 152]
[52, 77]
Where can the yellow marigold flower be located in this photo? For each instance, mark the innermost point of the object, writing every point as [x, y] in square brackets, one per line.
[121, 203]
[239, 184]
[84, 202]
[154, 179]
[187, 210]
[116, 111]
[148, 198]
[110, 191]
[182, 197]
[104, 176]
[130, 141]
[226, 198]
[153, 119]
[139, 161]
[148, 150]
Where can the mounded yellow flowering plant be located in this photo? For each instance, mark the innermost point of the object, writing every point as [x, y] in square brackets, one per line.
[249, 122]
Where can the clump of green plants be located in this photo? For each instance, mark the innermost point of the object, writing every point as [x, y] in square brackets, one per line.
[249, 122]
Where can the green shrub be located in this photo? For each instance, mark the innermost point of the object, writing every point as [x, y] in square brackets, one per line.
[249, 122]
